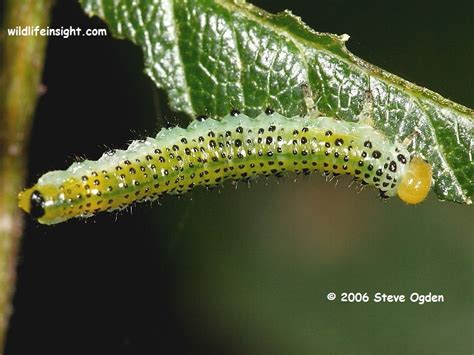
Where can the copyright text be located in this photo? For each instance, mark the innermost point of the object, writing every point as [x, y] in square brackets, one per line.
[381, 297]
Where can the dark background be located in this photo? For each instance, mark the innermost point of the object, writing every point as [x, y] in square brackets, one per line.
[244, 271]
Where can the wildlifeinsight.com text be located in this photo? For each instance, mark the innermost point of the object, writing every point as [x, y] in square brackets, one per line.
[64, 32]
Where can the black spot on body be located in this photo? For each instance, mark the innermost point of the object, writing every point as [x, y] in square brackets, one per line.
[376, 154]
[392, 166]
[401, 158]
[234, 112]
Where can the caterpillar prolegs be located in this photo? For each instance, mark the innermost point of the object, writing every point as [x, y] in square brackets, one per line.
[237, 147]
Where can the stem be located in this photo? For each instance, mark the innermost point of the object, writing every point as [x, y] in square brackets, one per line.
[21, 66]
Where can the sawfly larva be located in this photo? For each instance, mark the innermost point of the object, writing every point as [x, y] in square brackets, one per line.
[237, 147]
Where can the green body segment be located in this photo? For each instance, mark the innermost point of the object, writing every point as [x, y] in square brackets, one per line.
[210, 152]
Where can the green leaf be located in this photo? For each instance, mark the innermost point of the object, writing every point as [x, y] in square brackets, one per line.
[214, 55]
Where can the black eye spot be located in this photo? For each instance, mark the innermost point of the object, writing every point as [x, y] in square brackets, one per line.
[201, 118]
[37, 205]
[401, 158]
[368, 144]
[376, 154]
[238, 142]
[269, 140]
[239, 129]
[328, 133]
[339, 141]
[268, 111]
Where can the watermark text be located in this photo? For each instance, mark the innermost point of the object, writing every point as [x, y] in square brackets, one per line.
[64, 32]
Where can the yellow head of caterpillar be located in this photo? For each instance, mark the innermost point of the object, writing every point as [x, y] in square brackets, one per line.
[33, 202]
[416, 183]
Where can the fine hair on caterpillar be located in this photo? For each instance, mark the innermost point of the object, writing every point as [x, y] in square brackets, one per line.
[238, 147]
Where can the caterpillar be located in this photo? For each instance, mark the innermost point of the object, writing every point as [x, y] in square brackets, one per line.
[237, 147]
